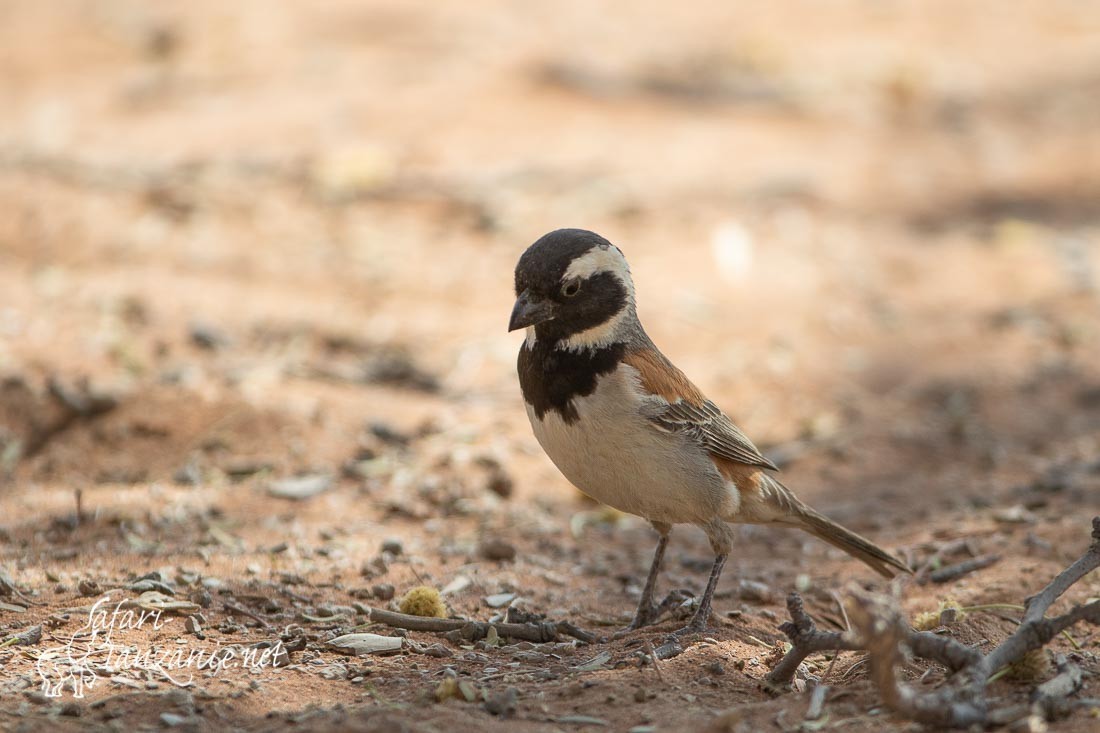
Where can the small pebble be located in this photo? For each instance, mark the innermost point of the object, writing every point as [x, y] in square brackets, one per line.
[88, 588]
[502, 703]
[172, 720]
[500, 483]
[755, 592]
[201, 597]
[206, 336]
[459, 584]
[1016, 514]
[498, 600]
[496, 549]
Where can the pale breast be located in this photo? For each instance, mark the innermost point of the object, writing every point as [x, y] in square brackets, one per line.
[616, 455]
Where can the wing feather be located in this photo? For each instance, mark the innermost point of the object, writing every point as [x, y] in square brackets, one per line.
[708, 426]
[679, 406]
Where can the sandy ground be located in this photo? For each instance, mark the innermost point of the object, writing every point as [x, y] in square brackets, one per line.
[278, 241]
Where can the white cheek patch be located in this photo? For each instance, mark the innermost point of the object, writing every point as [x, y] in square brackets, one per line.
[601, 259]
[598, 260]
[599, 336]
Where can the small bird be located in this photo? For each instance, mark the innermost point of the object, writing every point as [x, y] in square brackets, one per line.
[627, 428]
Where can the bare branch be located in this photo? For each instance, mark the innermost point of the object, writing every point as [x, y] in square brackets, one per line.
[953, 547]
[1050, 698]
[958, 570]
[806, 639]
[942, 649]
[459, 629]
[1038, 604]
[882, 631]
[240, 611]
[1036, 631]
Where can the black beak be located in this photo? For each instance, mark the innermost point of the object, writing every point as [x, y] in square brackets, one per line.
[530, 310]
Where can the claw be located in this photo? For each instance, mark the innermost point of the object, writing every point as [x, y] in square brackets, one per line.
[651, 614]
[695, 626]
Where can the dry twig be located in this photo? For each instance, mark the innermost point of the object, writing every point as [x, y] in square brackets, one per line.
[656, 660]
[949, 549]
[958, 570]
[240, 611]
[459, 630]
[806, 639]
[886, 636]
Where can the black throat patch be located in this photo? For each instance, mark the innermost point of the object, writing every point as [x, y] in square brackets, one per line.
[551, 378]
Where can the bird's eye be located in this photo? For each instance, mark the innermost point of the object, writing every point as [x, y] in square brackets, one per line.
[571, 288]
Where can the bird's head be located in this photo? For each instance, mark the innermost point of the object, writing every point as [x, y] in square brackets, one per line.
[573, 288]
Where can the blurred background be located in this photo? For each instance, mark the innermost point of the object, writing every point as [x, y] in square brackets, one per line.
[821, 202]
[276, 239]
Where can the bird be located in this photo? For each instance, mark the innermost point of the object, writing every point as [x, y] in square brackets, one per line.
[625, 426]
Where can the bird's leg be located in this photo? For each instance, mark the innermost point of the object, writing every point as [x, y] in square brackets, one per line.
[702, 615]
[648, 611]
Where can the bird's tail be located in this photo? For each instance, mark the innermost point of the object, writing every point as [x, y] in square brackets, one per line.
[858, 547]
[774, 502]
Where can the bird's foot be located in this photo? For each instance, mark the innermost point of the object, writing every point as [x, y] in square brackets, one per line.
[649, 613]
[695, 626]
[642, 617]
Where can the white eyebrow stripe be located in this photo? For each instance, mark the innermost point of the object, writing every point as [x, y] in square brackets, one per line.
[602, 259]
[598, 259]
